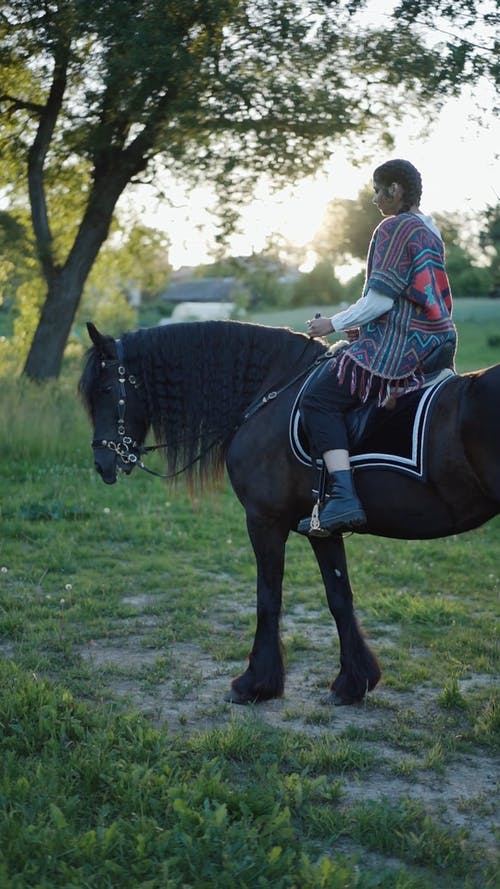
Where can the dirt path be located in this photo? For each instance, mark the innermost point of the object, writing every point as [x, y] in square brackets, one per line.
[185, 691]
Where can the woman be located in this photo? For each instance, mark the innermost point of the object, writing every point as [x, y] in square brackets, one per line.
[403, 316]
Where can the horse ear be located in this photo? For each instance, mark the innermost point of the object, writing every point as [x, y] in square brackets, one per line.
[96, 337]
[100, 341]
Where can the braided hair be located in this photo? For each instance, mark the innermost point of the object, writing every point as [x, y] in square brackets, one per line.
[406, 175]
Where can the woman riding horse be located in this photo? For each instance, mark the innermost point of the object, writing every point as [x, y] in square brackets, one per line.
[403, 316]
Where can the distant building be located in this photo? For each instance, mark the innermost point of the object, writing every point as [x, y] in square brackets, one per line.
[201, 290]
[201, 311]
[202, 299]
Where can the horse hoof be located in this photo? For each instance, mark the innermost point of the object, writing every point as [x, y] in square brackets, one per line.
[332, 698]
[234, 697]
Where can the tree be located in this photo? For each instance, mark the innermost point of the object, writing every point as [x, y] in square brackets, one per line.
[489, 239]
[347, 228]
[265, 279]
[21, 287]
[94, 92]
[319, 286]
[467, 277]
[16, 256]
[126, 274]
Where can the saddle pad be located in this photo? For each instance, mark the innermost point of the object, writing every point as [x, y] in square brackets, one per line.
[396, 440]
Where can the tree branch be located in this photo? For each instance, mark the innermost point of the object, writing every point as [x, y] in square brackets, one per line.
[307, 128]
[21, 104]
[36, 160]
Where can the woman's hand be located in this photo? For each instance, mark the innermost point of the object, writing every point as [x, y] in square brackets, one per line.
[352, 334]
[319, 326]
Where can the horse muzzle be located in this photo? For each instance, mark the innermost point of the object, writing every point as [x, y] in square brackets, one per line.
[111, 457]
[105, 462]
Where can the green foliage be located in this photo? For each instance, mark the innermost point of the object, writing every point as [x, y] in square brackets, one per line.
[487, 723]
[93, 799]
[471, 280]
[263, 278]
[319, 285]
[22, 288]
[264, 287]
[489, 238]
[29, 300]
[41, 421]
[451, 696]
[347, 227]
[108, 308]
[15, 251]
[406, 830]
[469, 264]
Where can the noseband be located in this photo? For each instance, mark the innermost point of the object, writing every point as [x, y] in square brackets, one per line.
[125, 446]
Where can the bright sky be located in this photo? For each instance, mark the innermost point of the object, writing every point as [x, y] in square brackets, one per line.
[457, 156]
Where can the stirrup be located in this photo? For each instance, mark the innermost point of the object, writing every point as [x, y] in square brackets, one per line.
[315, 522]
[311, 527]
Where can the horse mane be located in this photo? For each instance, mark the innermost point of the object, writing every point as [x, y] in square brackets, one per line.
[199, 378]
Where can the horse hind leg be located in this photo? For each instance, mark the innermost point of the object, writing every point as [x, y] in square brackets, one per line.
[264, 677]
[359, 668]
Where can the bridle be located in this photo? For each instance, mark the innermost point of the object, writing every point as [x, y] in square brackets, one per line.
[125, 447]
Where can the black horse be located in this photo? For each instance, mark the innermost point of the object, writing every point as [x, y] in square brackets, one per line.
[221, 393]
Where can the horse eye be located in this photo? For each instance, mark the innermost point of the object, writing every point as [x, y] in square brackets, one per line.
[106, 390]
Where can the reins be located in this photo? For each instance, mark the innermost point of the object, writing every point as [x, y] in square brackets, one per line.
[146, 450]
[257, 405]
[131, 452]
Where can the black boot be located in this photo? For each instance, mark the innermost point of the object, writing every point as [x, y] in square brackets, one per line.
[341, 512]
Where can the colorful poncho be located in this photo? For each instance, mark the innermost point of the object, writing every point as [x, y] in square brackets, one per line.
[405, 262]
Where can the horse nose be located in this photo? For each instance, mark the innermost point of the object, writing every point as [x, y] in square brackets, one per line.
[108, 478]
[106, 468]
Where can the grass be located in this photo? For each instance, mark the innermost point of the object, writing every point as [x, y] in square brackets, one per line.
[102, 800]
[135, 597]
[95, 798]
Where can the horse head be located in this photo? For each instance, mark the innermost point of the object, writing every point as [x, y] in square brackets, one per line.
[111, 392]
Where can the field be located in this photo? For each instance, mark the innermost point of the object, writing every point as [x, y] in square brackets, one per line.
[124, 614]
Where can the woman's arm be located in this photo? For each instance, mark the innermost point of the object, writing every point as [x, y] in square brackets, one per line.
[366, 309]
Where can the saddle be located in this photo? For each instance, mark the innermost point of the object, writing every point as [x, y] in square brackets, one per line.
[363, 420]
[390, 437]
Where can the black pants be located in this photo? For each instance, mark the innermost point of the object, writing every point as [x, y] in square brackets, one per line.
[323, 405]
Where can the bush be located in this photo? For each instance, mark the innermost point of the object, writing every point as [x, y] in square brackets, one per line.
[472, 281]
[320, 286]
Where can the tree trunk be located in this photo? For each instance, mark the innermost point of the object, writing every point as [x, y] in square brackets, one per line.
[65, 285]
[46, 352]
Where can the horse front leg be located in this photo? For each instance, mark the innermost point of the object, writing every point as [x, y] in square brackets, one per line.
[359, 668]
[264, 677]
